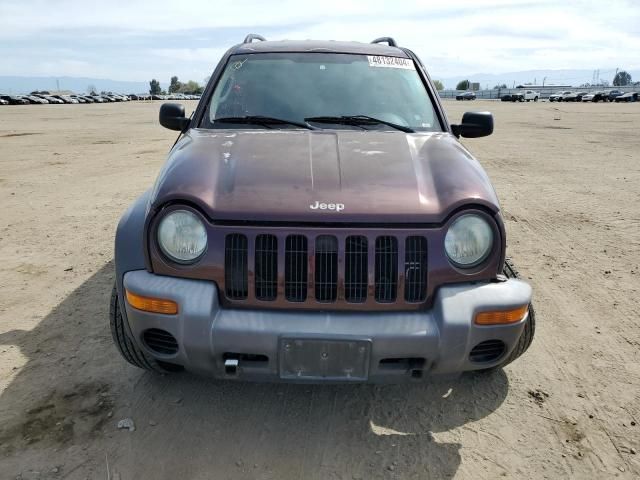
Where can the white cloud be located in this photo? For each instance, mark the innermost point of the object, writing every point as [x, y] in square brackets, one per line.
[144, 38]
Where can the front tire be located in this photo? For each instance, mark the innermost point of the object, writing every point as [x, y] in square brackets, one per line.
[129, 351]
[529, 330]
[526, 337]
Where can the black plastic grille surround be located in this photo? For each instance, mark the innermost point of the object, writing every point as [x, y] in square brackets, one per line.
[160, 341]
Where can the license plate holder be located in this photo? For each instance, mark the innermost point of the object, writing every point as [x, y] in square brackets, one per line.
[322, 359]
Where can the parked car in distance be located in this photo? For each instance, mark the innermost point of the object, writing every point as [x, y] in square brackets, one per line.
[50, 99]
[557, 97]
[531, 95]
[97, 98]
[66, 99]
[35, 100]
[15, 99]
[513, 97]
[3, 101]
[612, 94]
[368, 276]
[627, 97]
[79, 98]
[594, 97]
[574, 97]
[464, 96]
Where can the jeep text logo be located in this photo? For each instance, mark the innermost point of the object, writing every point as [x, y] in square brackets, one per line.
[338, 207]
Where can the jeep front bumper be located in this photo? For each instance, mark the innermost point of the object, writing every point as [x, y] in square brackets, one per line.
[290, 345]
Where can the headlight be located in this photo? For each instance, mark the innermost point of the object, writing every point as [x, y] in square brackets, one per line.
[182, 236]
[468, 241]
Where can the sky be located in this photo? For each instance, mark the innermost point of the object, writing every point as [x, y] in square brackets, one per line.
[143, 39]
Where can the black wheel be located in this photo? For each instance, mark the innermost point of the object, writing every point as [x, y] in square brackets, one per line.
[535, 99]
[126, 347]
[529, 331]
[526, 337]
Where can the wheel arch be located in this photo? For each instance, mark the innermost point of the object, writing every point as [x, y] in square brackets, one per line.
[129, 253]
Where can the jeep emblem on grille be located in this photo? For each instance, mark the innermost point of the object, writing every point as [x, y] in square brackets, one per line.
[338, 207]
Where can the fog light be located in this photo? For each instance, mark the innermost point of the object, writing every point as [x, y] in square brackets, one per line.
[154, 305]
[501, 317]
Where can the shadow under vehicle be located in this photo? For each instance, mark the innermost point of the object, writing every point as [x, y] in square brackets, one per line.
[63, 400]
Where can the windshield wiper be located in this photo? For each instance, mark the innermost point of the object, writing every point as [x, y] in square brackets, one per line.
[262, 120]
[358, 120]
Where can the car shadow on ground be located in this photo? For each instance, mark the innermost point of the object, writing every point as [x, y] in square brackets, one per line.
[60, 412]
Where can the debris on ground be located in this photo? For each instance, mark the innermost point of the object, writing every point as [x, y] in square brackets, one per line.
[127, 423]
[538, 395]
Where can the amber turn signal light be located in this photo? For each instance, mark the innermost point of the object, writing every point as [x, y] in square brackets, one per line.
[501, 317]
[154, 305]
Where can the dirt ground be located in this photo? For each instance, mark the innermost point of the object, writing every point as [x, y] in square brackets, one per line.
[568, 176]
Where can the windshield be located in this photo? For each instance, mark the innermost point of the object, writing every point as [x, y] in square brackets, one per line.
[298, 86]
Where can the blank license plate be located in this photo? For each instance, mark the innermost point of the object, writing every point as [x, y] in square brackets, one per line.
[314, 359]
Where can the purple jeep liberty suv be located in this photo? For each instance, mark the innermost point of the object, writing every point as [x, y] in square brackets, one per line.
[318, 220]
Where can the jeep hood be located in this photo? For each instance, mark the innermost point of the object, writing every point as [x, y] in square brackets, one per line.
[278, 175]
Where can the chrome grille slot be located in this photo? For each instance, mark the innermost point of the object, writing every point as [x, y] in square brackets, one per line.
[326, 268]
[266, 267]
[356, 269]
[235, 266]
[295, 273]
[415, 269]
[386, 269]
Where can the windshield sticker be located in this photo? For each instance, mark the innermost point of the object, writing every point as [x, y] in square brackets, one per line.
[390, 62]
[238, 65]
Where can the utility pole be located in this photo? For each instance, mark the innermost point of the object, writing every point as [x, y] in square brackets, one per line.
[543, 81]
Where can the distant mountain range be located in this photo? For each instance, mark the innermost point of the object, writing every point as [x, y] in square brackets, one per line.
[18, 85]
[554, 77]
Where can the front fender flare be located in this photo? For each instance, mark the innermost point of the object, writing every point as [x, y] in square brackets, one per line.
[130, 239]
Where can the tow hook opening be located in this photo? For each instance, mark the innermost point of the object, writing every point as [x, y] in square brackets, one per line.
[249, 360]
[231, 367]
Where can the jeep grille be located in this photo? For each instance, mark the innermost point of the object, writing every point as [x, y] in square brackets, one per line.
[326, 269]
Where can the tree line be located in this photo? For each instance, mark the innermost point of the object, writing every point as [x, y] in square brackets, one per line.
[176, 86]
[621, 79]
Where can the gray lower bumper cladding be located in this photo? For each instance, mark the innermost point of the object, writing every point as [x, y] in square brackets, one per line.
[278, 345]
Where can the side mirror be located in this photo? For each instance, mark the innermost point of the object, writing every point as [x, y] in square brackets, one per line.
[172, 117]
[474, 124]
